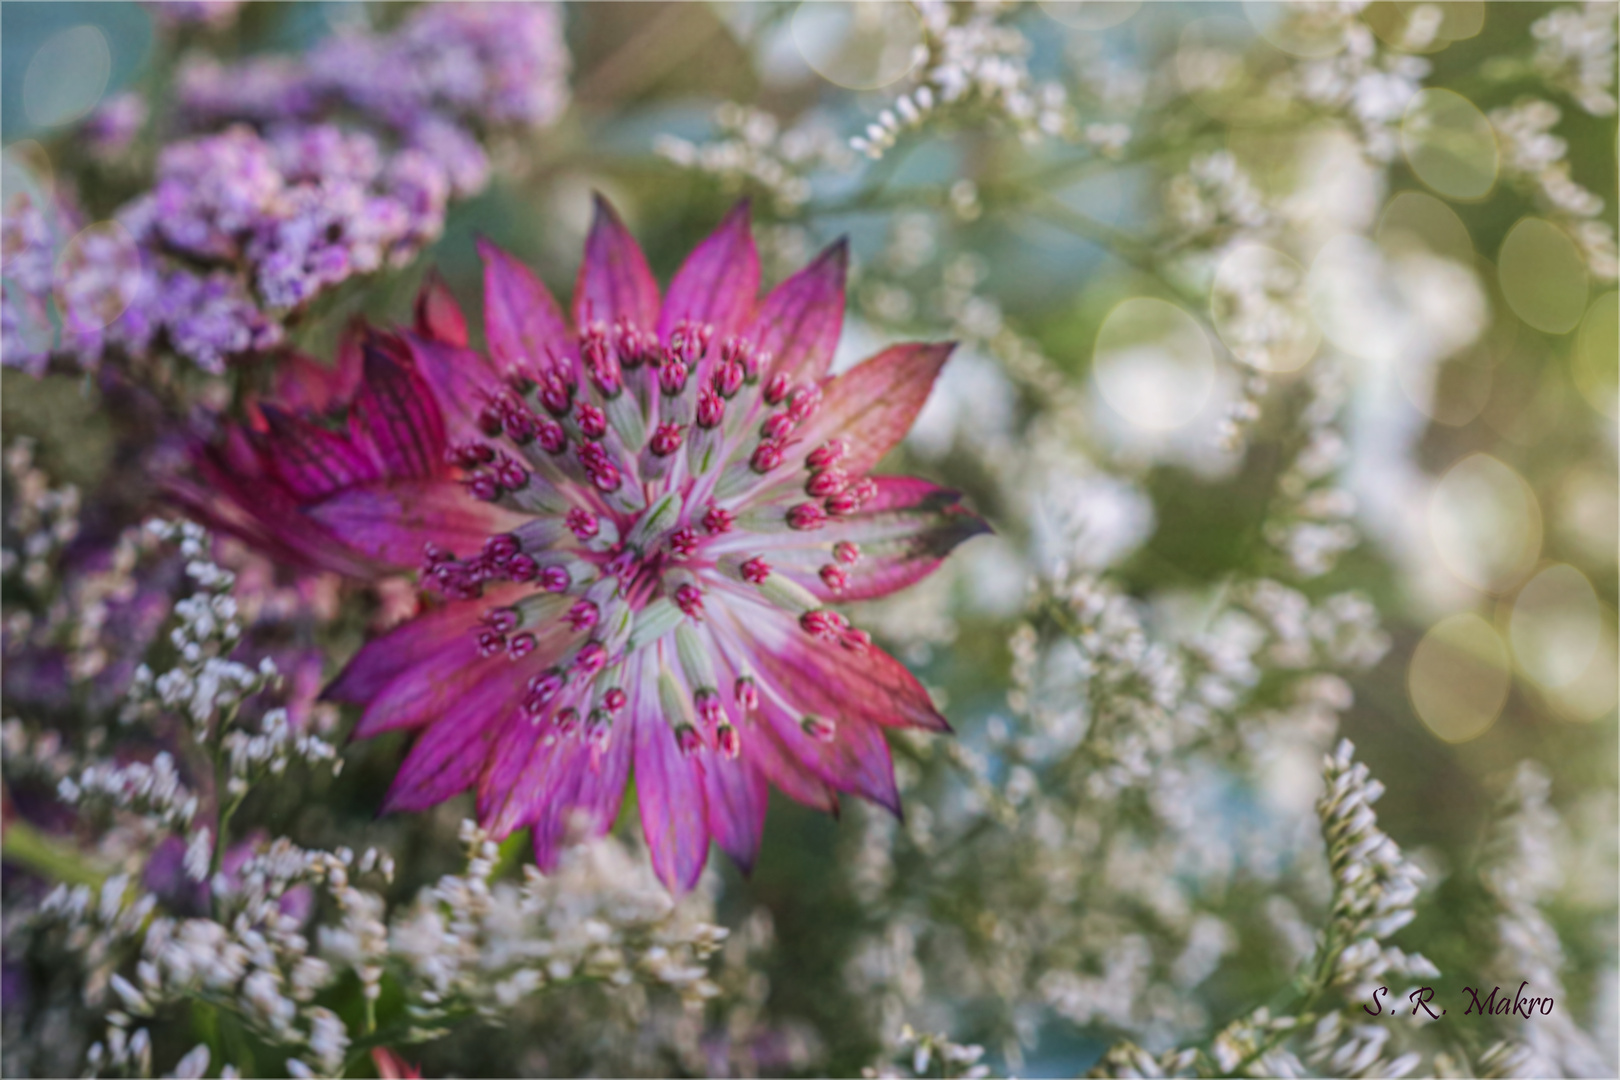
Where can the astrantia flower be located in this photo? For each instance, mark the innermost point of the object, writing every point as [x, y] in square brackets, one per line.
[667, 495]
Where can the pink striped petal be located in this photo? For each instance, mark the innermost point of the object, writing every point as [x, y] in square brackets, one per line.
[308, 458]
[438, 316]
[597, 793]
[401, 415]
[522, 323]
[669, 787]
[462, 382]
[903, 534]
[447, 758]
[872, 405]
[787, 773]
[385, 658]
[719, 281]
[614, 282]
[800, 320]
[854, 759]
[440, 685]
[736, 795]
[392, 521]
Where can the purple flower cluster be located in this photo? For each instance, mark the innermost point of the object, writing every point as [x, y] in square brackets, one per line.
[450, 70]
[277, 212]
[215, 14]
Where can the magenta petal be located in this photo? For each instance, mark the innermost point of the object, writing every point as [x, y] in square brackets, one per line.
[904, 535]
[872, 405]
[614, 282]
[433, 688]
[392, 521]
[400, 414]
[449, 755]
[462, 382]
[719, 281]
[383, 659]
[800, 320]
[669, 786]
[438, 316]
[787, 773]
[522, 322]
[736, 796]
[855, 759]
[308, 458]
[598, 791]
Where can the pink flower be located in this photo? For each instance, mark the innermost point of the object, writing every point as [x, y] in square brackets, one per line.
[345, 468]
[670, 492]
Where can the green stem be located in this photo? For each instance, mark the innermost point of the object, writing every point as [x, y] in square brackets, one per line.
[46, 855]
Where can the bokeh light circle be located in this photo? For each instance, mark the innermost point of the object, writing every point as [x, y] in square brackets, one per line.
[1153, 364]
[1556, 626]
[860, 46]
[1091, 14]
[66, 76]
[1596, 357]
[1450, 145]
[1260, 310]
[1459, 677]
[1306, 30]
[1485, 522]
[1543, 276]
[98, 273]
[1419, 216]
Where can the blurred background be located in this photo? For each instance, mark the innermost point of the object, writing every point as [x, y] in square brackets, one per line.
[1227, 244]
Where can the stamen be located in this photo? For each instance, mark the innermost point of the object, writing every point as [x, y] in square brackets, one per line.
[847, 552]
[672, 377]
[490, 643]
[503, 620]
[827, 454]
[689, 598]
[747, 692]
[767, 456]
[688, 739]
[727, 740]
[521, 645]
[717, 521]
[512, 476]
[582, 523]
[777, 427]
[856, 641]
[551, 437]
[827, 482]
[708, 706]
[834, 577]
[776, 389]
[555, 579]
[469, 455]
[592, 421]
[728, 379]
[666, 439]
[483, 486]
[583, 615]
[541, 690]
[567, 720]
[684, 542]
[803, 403]
[614, 700]
[824, 624]
[807, 516]
[842, 504]
[711, 410]
[818, 728]
[756, 570]
[591, 659]
[522, 568]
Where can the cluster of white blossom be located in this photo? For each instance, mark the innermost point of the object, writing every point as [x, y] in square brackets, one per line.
[1534, 157]
[1575, 52]
[472, 943]
[40, 519]
[930, 1054]
[971, 57]
[1322, 1032]
[1523, 872]
[205, 684]
[1368, 83]
[54, 608]
[1310, 520]
[754, 152]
